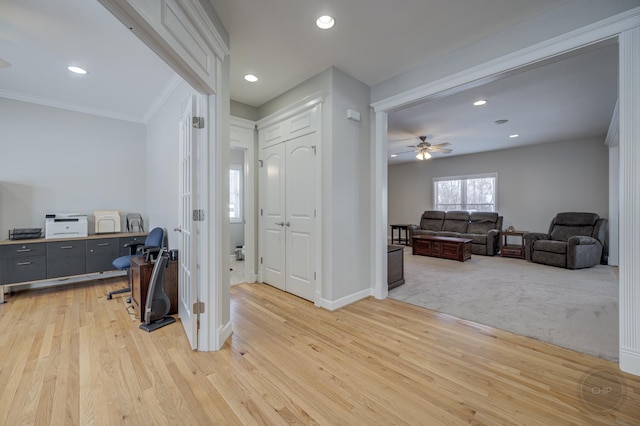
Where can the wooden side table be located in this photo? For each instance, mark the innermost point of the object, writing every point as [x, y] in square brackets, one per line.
[512, 250]
[400, 228]
[140, 277]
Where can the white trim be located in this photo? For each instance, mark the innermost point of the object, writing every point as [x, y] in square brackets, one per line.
[346, 300]
[295, 108]
[242, 123]
[613, 133]
[576, 39]
[629, 225]
[250, 211]
[208, 31]
[169, 88]
[379, 173]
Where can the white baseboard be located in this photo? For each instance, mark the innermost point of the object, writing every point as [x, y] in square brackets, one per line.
[344, 301]
[630, 361]
[224, 333]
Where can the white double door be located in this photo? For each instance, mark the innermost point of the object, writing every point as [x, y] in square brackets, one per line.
[287, 202]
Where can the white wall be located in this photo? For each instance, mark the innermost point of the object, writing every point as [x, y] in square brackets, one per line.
[162, 164]
[55, 160]
[534, 182]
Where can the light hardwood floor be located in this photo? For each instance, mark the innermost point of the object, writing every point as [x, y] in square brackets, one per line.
[70, 357]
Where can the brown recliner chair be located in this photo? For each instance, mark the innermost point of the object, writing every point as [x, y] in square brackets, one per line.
[574, 241]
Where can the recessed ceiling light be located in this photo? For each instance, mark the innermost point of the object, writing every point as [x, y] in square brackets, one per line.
[325, 22]
[394, 155]
[480, 102]
[77, 70]
[515, 135]
[251, 78]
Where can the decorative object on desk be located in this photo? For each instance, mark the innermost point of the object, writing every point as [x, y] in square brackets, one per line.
[25, 233]
[158, 304]
[106, 221]
[510, 228]
[134, 222]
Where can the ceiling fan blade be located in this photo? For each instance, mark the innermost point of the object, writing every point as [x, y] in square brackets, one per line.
[441, 144]
[403, 152]
[441, 150]
[412, 146]
[401, 140]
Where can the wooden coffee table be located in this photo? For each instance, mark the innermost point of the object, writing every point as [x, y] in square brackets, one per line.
[443, 247]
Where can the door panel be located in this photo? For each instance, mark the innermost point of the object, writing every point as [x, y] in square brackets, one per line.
[273, 215]
[187, 283]
[300, 208]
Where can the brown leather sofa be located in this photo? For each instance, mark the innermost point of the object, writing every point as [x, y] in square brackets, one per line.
[481, 227]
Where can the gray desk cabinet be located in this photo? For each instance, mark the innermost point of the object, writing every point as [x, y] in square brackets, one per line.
[101, 254]
[66, 258]
[124, 251]
[23, 262]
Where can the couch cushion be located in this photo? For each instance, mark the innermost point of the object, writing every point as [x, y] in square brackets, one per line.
[432, 220]
[576, 219]
[477, 238]
[456, 221]
[481, 222]
[563, 232]
[559, 247]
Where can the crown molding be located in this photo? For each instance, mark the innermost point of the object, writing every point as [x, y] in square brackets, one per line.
[169, 88]
[23, 97]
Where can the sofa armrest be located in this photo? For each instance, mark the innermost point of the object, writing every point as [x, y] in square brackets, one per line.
[410, 230]
[530, 238]
[581, 240]
[493, 242]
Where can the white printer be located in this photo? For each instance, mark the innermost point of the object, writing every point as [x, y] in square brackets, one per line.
[66, 225]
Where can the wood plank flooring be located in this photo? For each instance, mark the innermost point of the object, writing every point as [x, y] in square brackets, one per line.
[71, 357]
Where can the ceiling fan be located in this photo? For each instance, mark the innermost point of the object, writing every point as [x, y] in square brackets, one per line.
[423, 149]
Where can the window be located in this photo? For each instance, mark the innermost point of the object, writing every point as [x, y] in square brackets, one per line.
[471, 193]
[235, 193]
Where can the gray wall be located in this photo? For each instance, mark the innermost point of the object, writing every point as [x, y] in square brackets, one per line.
[534, 182]
[240, 110]
[236, 230]
[55, 160]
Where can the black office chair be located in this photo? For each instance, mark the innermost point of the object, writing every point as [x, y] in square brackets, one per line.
[153, 242]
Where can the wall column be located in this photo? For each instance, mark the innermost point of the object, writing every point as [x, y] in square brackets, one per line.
[629, 45]
[379, 206]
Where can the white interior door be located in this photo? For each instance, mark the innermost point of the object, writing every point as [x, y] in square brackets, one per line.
[287, 192]
[300, 216]
[187, 282]
[272, 196]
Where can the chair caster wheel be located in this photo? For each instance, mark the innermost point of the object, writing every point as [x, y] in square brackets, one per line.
[108, 297]
[128, 300]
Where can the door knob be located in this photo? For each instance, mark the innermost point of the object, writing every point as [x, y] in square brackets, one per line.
[280, 223]
[288, 224]
[177, 229]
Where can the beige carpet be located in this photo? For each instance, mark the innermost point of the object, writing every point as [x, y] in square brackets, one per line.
[574, 309]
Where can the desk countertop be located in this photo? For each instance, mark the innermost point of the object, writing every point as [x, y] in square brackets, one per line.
[90, 237]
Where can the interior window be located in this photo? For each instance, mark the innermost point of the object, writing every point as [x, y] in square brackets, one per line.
[471, 193]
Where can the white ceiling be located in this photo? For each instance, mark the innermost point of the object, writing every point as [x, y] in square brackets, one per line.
[373, 40]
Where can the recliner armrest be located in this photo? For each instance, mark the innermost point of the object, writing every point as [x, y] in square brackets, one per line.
[530, 238]
[581, 240]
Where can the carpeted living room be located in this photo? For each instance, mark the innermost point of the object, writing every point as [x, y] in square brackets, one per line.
[575, 309]
[572, 308]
